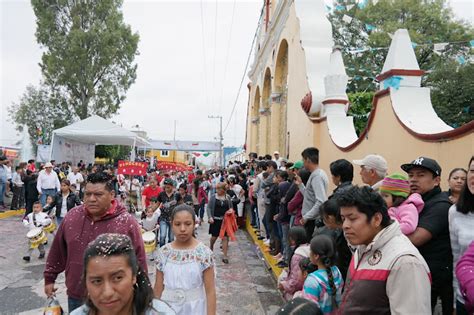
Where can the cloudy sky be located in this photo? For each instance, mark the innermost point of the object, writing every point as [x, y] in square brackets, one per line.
[181, 76]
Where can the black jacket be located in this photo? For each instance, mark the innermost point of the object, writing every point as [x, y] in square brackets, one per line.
[72, 201]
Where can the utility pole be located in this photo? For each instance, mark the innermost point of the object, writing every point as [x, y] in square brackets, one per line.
[221, 139]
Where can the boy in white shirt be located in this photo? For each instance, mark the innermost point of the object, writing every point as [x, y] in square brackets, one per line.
[33, 220]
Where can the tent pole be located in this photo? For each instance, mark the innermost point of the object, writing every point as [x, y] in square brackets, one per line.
[51, 148]
[132, 156]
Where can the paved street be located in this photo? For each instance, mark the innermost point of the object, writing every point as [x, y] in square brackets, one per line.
[243, 287]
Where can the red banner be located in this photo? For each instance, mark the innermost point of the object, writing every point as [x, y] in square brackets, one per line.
[173, 166]
[132, 168]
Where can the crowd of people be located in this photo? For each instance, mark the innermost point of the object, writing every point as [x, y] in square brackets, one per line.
[355, 250]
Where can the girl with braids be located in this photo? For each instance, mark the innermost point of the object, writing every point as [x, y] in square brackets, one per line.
[292, 281]
[115, 282]
[324, 286]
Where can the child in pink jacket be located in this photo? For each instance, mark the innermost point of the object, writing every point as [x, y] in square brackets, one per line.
[465, 275]
[292, 281]
[402, 206]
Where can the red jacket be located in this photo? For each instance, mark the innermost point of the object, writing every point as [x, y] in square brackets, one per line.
[74, 234]
[202, 195]
[295, 206]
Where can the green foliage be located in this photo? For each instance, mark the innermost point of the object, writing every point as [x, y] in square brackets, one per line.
[41, 112]
[361, 104]
[112, 152]
[88, 53]
[428, 22]
[448, 86]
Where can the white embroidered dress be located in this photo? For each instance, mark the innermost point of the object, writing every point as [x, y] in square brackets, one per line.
[183, 273]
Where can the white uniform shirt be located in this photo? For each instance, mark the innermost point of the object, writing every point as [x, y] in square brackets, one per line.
[48, 181]
[41, 219]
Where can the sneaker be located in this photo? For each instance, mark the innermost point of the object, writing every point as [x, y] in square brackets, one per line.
[278, 256]
[26, 258]
[266, 242]
[41, 256]
[282, 264]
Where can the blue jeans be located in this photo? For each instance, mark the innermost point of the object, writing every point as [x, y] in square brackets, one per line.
[201, 210]
[255, 219]
[285, 242]
[45, 193]
[165, 230]
[72, 304]
[2, 191]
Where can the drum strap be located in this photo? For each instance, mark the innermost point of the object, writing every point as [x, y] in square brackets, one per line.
[34, 219]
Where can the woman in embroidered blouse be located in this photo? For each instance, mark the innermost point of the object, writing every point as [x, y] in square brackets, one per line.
[185, 269]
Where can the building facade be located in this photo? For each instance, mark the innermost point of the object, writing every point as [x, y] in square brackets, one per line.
[298, 98]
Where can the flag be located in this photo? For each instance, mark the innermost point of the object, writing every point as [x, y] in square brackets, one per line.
[440, 46]
[369, 27]
[461, 60]
[392, 82]
[132, 168]
[339, 7]
[350, 6]
[471, 43]
[362, 4]
[347, 19]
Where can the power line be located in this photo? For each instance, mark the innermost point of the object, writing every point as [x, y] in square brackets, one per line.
[204, 54]
[245, 71]
[227, 56]
[215, 53]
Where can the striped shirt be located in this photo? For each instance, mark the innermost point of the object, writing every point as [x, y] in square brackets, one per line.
[316, 288]
[461, 232]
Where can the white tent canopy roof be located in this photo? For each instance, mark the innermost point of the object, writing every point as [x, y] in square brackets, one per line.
[97, 130]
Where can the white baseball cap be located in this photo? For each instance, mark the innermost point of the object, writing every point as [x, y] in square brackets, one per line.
[276, 152]
[48, 165]
[373, 161]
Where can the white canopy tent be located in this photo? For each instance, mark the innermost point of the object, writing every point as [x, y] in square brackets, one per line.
[77, 141]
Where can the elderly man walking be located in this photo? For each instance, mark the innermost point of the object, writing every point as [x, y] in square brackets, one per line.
[47, 183]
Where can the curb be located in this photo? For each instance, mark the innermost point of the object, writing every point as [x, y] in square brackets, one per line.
[11, 213]
[271, 263]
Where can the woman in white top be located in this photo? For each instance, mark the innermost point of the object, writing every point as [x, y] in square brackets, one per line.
[185, 269]
[461, 229]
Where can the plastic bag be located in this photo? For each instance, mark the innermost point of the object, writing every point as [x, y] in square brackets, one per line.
[53, 307]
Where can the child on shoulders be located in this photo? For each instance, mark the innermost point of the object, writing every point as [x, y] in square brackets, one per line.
[402, 206]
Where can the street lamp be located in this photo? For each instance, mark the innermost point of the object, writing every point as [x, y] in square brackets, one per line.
[221, 139]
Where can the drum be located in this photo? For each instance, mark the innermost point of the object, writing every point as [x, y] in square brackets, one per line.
[50, 227]
[36, 237]
[149, 239]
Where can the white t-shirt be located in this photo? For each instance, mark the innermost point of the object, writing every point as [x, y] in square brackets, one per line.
[75, 178]
[237, 189]
[64, 207]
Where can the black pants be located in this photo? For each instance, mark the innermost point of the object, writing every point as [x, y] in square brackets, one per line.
[442, 287]
[309, 227]
[18, 200]
[29, 205]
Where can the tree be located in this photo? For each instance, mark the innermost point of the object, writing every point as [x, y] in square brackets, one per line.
[113, 152]
[89, 54]
[41, 112]
[360, 106]
[363, 29]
